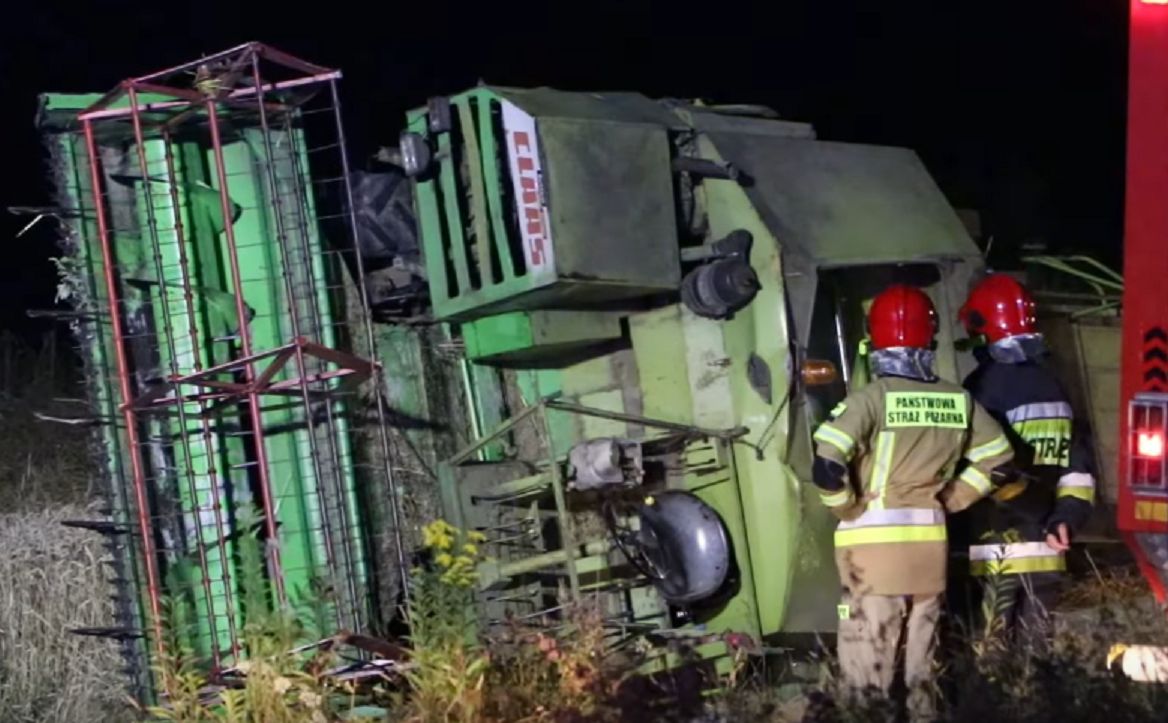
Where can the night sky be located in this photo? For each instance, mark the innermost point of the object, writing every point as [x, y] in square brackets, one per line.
[1016, 108]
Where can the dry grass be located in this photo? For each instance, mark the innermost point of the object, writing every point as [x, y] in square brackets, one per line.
[51, 577]
[1112, 585]
[53, 580]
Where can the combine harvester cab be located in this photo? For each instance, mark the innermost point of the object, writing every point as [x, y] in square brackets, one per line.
[657, 303]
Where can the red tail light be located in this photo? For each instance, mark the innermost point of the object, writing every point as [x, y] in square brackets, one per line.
[1148, 422]
[1150, 444]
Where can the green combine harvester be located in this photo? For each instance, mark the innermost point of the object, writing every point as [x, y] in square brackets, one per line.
[597, 328]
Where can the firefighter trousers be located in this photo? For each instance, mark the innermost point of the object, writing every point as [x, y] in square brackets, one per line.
[874, 631]
[1023, 603]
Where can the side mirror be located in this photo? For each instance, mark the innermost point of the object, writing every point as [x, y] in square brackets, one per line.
[412, 155]
[415, 154]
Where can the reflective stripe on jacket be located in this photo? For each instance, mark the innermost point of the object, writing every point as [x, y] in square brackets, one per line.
[1015, 558]
[906, 524]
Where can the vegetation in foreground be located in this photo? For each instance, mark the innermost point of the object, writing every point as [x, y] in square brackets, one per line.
[532, 675]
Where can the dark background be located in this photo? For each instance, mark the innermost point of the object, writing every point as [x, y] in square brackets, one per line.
[1017, 108]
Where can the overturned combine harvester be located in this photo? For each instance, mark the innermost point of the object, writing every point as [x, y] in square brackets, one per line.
[595, 327]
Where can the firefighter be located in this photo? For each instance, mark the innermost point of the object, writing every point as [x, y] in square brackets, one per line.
[1019, 537]
[891, 460]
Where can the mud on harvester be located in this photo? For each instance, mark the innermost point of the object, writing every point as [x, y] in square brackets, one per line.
[596, 327]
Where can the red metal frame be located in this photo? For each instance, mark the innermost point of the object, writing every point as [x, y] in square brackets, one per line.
[244, 55]
[353, 369]
[206, 387]
[1145, 308]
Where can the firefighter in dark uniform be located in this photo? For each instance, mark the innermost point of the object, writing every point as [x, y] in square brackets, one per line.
[1019, 536]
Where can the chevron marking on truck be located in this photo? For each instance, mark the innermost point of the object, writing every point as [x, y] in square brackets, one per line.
[1155, 359]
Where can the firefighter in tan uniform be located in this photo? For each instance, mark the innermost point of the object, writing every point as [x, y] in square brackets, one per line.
[894, 458]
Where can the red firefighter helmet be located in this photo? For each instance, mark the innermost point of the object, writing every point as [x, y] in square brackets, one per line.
[902, 315]
[999, 307]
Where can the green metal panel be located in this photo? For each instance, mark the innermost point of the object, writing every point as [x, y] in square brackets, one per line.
[293, 177]
[835, 204]
[486, 402]
[844, 203]
[685, 378]
[259, 262]
[606, 107]
[702, 366]
[592, 427]
[443, 224]
[665, 389]
[194, 494]
[494, 335]
[475, 223]
[610, 195]
[789, 530]
[214, 318]
[518, 335]
[604, 381]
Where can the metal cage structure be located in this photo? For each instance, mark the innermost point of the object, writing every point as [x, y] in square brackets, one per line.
[554, 544]
[230, 352]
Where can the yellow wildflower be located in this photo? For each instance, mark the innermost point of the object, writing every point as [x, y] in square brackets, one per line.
[444, 559]
[438, 534]
[461, 572]
[470, 549]
[459, 578]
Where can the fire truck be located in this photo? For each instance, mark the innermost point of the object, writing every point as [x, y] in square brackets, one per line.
[1142, 509]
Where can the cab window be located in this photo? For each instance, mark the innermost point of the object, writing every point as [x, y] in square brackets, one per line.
[838, 324]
